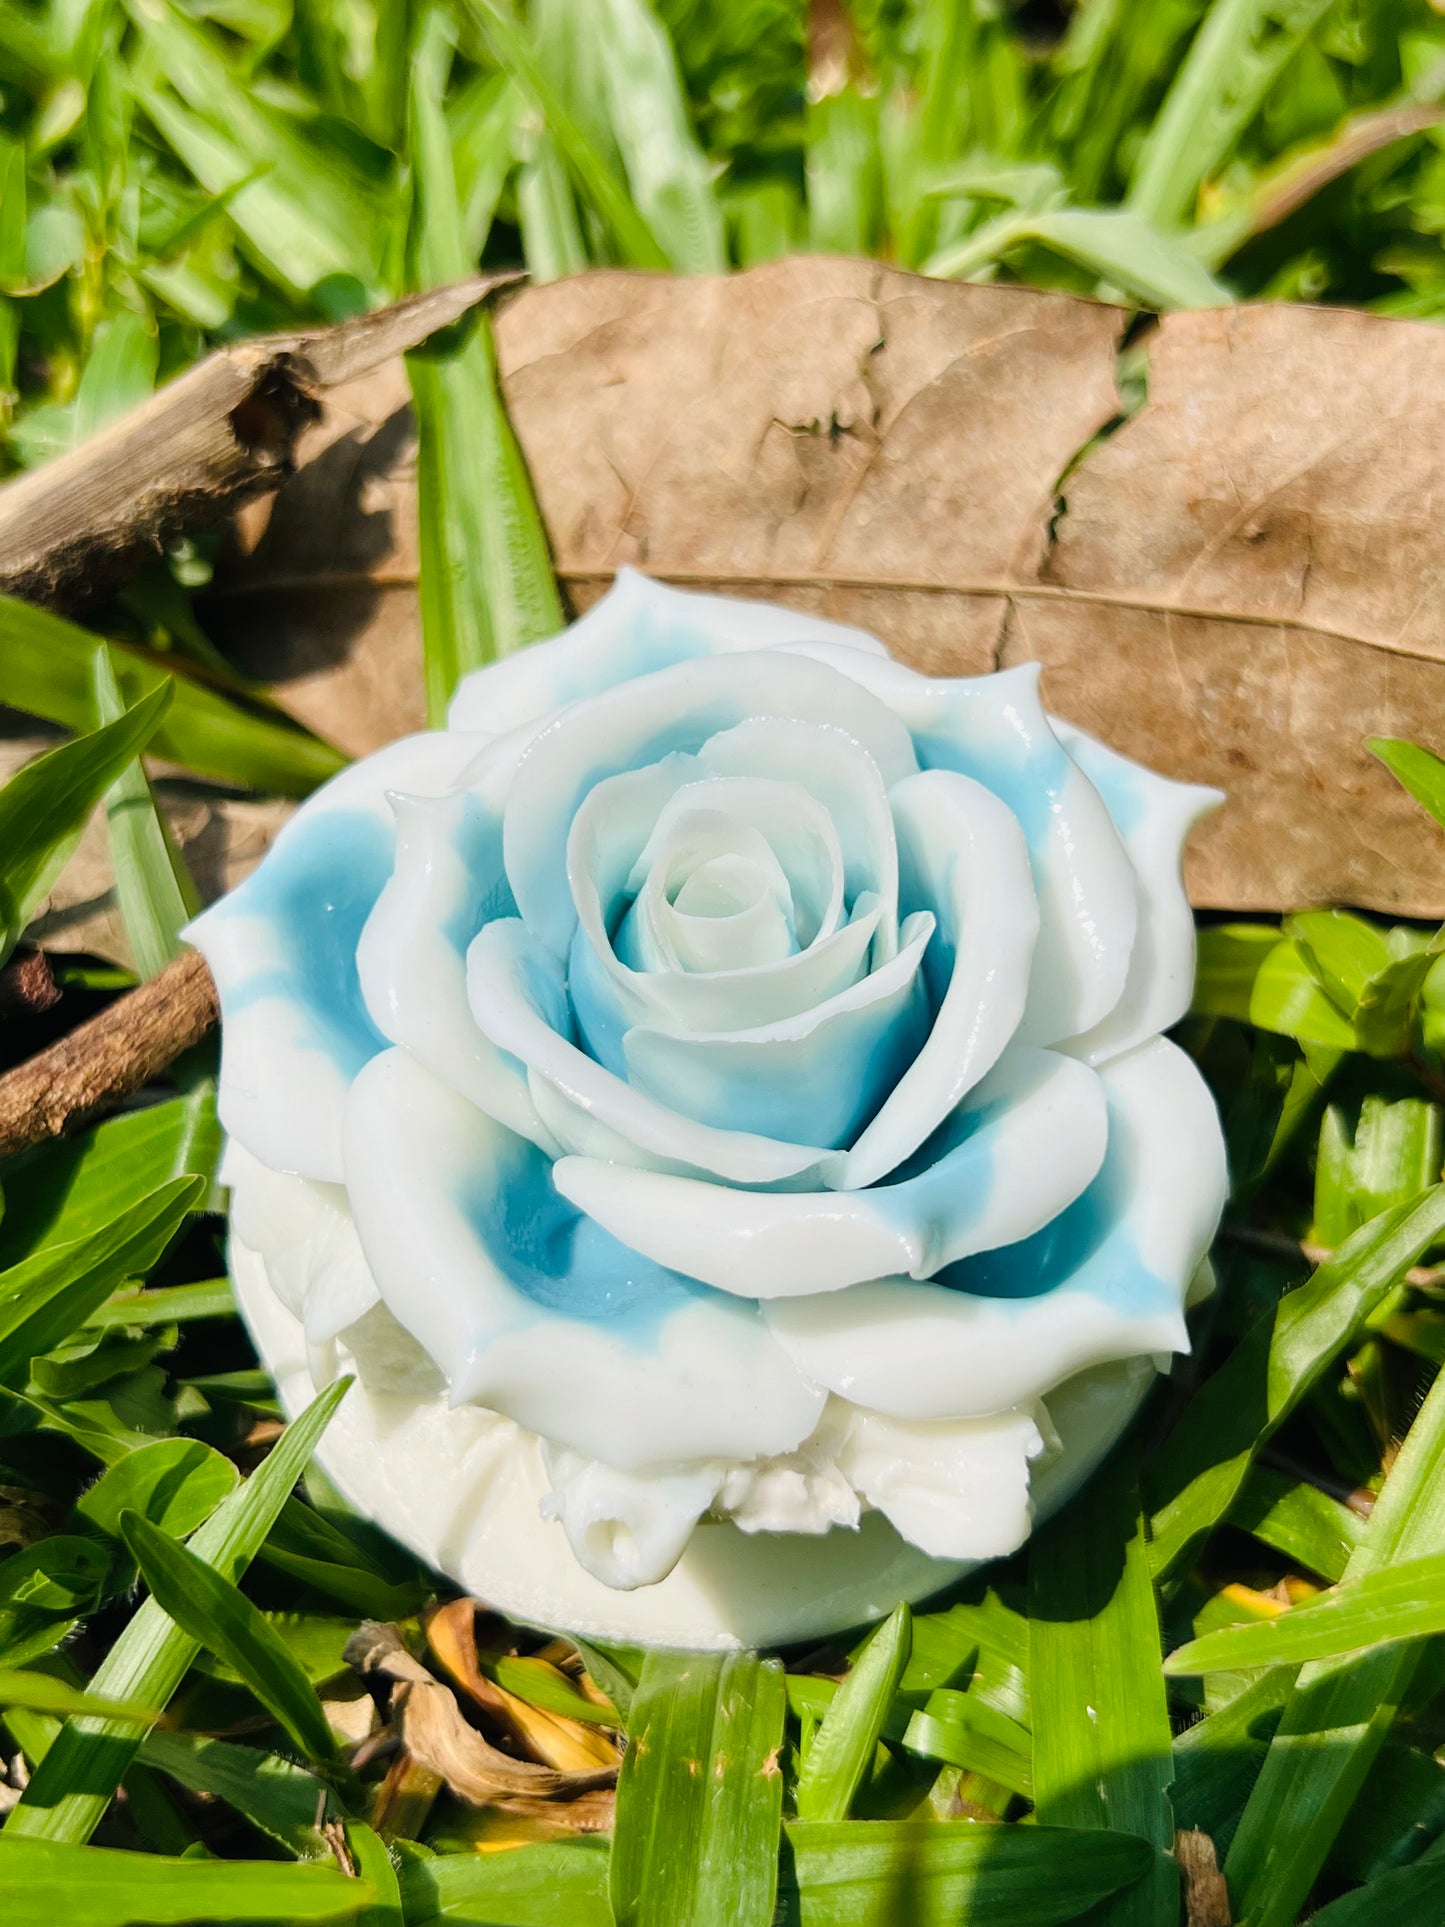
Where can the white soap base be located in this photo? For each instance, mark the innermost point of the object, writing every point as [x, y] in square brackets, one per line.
[461, 1489]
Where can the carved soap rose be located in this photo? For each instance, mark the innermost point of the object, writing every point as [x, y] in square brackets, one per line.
[719, 1078]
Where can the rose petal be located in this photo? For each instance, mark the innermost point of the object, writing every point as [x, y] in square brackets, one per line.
[446, 883]
[958, 1489]
[640, 625]
[1153, 816]
[518, 995]
[824, 1073]
[610, 828]
[993, 728]
[835, 769]
[799, 835]
[533, 1310]
[1106, 1280]
[961, 854]
[1023, 1145]
[282, 948]
[676, 709]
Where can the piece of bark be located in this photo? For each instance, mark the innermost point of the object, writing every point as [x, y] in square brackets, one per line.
[1238, 585]
[1206, 1898]
[26, 985]
[109, 1057]
[218, 433]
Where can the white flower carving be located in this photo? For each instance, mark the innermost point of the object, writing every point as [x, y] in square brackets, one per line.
[735, 1060]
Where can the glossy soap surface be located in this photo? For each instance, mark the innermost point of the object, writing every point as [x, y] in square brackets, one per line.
[726, 1065]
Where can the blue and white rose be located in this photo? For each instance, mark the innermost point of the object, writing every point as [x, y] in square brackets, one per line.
[737, 1059]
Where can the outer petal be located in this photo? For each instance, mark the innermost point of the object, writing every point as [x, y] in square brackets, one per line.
[282, 948]
[993, 728]
[957, 1490]
[640, 625]
[962, 855]
[1021, 1147]
[534, 1311]
[314, 1259]
[519, 999]
[675, 709]
[1154, 817]
[447, 882]
[1106, 1280]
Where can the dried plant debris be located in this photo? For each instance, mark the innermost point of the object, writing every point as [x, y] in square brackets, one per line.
[436, 1735]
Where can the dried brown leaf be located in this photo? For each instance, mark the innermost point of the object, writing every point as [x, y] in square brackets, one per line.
[437, 1739]
[1241, 583]
[555, 1741]
[434, 1731]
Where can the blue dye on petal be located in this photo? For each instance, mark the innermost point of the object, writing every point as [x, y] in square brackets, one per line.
[822, 1088]
[316, 887]
[601, 1023]
[477, 841]
[563, 1261]
[1029, 781]
[1120, 785]
[1085, 1249]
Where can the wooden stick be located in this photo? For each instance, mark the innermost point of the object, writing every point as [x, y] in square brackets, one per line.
[225, 430]
[104, 1060]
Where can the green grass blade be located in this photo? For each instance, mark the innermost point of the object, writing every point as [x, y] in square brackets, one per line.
[700, 1796]
[120, 373]
[46, 1881]
[373, 1865]
[595, 177]
[1101, 1756]
[1122, 249]
[45, 806]
[885, 1873]
[73, 1785]
[43, 1299]
[175, 1484]
[75, 1186]
[1203, 1464]
[1411, 1896]
[1421, 772]
[218, 1616]
[277, 1796]
[540, 1685]
[1407, 1602]
[1217, 1759]
[487, 586]
[45, 669]
[1305, 1524]
[304, 216]
[152, 883]
[171, 1303]
[551, 1885]
[1238, 53]
[965, 1732]
[552, 243]
[842, 1749]
[1341, 1710]
[41, 1693]
[667, 170]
